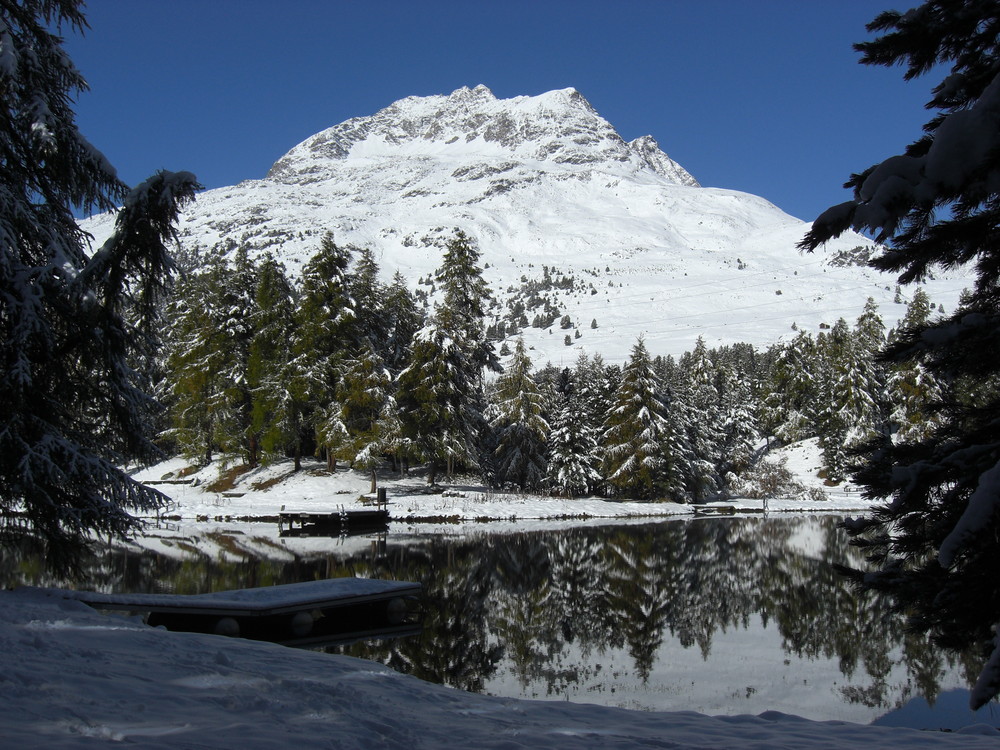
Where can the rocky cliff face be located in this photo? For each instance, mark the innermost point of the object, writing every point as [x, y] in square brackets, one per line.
[557, 128]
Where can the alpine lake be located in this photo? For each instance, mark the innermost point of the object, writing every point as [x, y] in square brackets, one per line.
[734, 615]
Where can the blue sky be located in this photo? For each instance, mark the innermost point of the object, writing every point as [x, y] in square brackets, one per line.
[764, 96]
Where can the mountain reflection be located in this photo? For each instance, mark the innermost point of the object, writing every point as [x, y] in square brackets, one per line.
[568, 613]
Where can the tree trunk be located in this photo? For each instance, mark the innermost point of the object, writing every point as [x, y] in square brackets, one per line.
[253, 451]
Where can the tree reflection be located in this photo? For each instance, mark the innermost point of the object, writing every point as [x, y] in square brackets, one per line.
[546, 607]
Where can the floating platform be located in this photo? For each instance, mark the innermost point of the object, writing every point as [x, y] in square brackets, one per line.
[331, 611]
[715, 510]
[342, 522]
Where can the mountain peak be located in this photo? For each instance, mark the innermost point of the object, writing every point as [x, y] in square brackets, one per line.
[652, 155]
[479, 93]
[556, 128]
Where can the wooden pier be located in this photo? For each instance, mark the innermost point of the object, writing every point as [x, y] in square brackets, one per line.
[341, 522]
[331, 611]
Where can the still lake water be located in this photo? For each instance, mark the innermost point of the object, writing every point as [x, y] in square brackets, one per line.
[717, 615]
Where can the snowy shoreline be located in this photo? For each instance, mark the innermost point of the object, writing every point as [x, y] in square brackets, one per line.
[263, 493]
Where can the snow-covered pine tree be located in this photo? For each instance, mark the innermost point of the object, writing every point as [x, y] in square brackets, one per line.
[273, 322]
[911, 389]
[366, 402]
[932, 545]
[198, 356]
[594, 394]
[466, 298]
[72, 325]
[211, 322]
[870, 374]
[789, 407]
[737, 403]
[323, 335]
[833, 419]
[367, 294]
[692, 474]
[634, 461]
[697, 408]
[851, 390]
[518, 421]
[869, 329]
[573, 458]
[457, 334]
[237, 316]
[403, 320]
[440, 413]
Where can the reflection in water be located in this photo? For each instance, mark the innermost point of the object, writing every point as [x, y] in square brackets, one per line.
[720, 615]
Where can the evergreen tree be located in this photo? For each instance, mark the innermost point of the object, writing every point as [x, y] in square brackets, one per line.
[870, 330]
[851, 389]
[517, 418]
[324, 332]
[198, 357]
[466, 297]
[573, 457]
[911, 388]
[367, 411]
[237, 316]
[367, 294]
[789, 409]
[933, 543]
[595, 392]
[402, 319]
[833, 419]
[274, 310]
[693, 473]
[211, 332]
[72, 325]
[457, 338]
[737, 403]
[439, 419]
[635, 462]
[696, 408]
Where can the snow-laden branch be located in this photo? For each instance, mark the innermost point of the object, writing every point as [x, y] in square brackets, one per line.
[983, 504]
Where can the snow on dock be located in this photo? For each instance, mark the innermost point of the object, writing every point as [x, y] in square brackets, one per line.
[334, 610]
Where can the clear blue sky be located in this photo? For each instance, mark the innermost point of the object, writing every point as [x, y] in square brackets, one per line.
[764, 96]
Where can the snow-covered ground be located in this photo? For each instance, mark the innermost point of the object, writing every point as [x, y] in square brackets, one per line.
[266, 491]
[78, 678]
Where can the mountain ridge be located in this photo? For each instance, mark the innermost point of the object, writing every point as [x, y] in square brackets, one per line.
[558, 126]
[547, 188]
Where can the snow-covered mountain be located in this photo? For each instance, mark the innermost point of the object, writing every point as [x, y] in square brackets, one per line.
[611, 233]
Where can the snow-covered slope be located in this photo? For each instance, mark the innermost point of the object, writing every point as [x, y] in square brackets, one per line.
[548, 188]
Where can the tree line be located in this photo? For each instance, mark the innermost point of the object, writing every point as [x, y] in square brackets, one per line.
[257, 367]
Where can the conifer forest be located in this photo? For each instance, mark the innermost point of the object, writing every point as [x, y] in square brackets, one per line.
[257, 367]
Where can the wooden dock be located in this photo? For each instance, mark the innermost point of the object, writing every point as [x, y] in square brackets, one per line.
[335, 610]
[341, 522]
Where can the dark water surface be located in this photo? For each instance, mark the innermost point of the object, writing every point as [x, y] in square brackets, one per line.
[735, 615]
